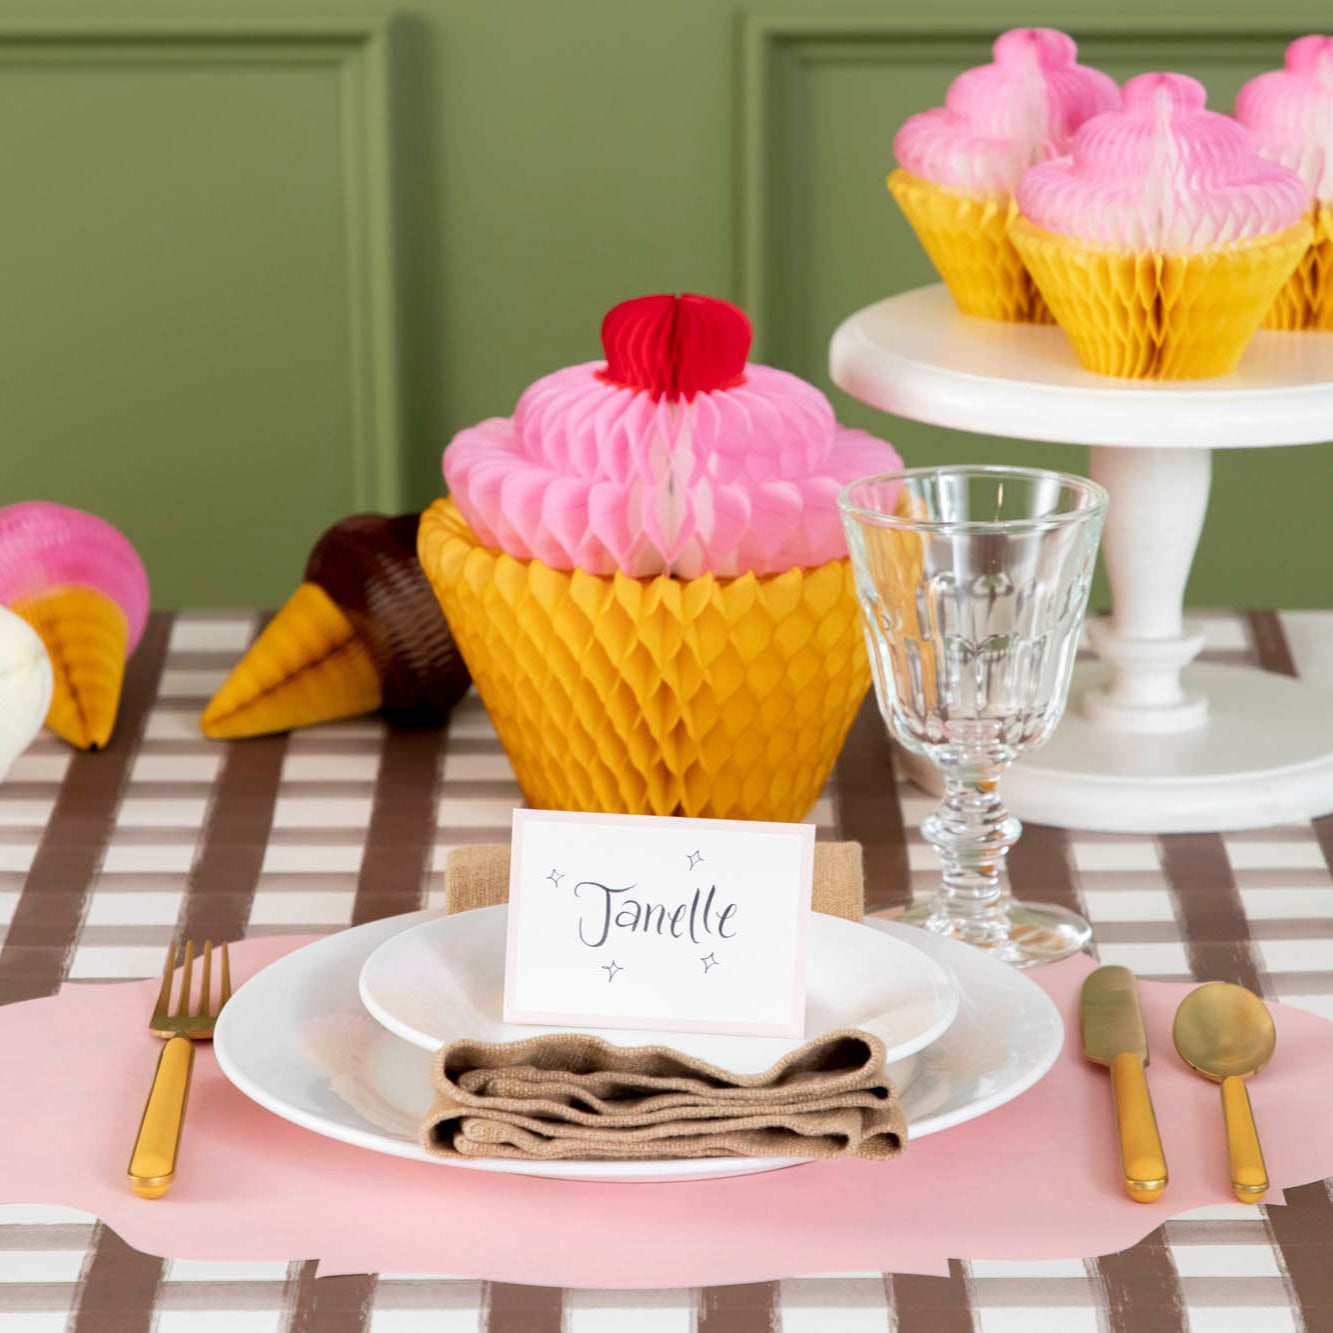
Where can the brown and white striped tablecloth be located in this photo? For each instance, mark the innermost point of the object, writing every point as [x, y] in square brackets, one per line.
[104, 857]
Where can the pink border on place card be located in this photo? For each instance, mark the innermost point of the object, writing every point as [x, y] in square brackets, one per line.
[794, 1027]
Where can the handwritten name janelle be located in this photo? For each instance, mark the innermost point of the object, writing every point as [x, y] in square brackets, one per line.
[694, 919]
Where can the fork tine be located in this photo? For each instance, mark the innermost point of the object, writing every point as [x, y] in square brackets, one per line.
[205, 980]
[183, 1000]
[226, 977]
[163, 1005]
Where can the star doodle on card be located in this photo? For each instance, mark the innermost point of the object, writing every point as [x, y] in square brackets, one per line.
[695, 858]
[555, 877]
[710, 962]
[611, 969]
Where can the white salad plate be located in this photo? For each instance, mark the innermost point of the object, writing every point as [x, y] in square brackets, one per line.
[296, 1039]
[444, 980]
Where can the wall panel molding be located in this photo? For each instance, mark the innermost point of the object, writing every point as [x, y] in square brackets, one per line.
[358, 54]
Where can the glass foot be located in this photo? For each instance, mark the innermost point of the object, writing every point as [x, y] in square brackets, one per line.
[1036, 932]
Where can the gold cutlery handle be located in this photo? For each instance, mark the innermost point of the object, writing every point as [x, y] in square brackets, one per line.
[153, 1162]
[1249, 1175]
[1141, 1156]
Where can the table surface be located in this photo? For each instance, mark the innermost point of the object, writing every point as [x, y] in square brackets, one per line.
[103, 858]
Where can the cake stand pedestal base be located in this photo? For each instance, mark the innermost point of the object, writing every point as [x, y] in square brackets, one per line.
[1264, 756]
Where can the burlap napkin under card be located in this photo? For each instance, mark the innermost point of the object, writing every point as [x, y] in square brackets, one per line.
[568, 1095]
[574, 1096]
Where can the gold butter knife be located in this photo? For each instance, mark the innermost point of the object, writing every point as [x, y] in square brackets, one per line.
[1113, 1035]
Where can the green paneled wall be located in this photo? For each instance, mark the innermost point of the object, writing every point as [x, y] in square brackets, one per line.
[258, 272]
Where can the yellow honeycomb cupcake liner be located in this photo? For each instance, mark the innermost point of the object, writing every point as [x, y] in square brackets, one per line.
[968, 241]
[1154, 316]
[723, 698]
[1306, 300]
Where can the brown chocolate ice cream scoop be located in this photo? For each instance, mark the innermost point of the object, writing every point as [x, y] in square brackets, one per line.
[368, 565]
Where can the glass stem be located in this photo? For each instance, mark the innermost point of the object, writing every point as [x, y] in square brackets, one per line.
[972, 832]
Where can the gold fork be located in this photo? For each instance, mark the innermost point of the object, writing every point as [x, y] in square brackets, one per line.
[153, 1161]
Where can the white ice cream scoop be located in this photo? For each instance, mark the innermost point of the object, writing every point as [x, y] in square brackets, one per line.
[25, 686]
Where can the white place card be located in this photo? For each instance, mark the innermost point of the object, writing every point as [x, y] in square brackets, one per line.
[633, 921]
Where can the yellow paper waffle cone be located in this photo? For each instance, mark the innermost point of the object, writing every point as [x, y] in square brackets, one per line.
[307, 666]
[968, 242]
[727, 698]
[87, 638]
[1306, 300]
[1149, 316]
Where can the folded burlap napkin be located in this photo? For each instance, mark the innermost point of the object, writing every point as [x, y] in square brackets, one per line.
[575, 1096]
[568, 1095]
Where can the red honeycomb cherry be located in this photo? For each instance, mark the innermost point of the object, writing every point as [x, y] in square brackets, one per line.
[675, 346]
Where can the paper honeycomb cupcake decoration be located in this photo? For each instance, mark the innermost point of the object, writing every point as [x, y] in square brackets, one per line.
[644, 571]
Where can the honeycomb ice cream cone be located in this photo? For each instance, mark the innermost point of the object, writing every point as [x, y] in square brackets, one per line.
[1163, 240]
[645, 571]
[87, 638]
[81, 585]
[725, 698]
[959, 164]
[363, 632]
[1289, 113]
[307, 666]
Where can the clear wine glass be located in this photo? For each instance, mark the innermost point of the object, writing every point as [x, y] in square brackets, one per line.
[973, 583]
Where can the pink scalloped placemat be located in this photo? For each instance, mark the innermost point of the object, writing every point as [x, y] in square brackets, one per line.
[1036, 1179]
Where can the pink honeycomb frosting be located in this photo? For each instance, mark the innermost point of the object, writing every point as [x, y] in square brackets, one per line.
[675, 456]
[1289, 112]
[44, 546]
[998, 119]
[1163, 175]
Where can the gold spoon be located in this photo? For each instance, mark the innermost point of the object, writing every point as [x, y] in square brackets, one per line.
[1226, 1033]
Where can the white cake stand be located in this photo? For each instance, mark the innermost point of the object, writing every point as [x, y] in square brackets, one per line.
[1150, 743]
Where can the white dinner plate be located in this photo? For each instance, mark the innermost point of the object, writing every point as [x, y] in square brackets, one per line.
[296, 1039]
[444, 980]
